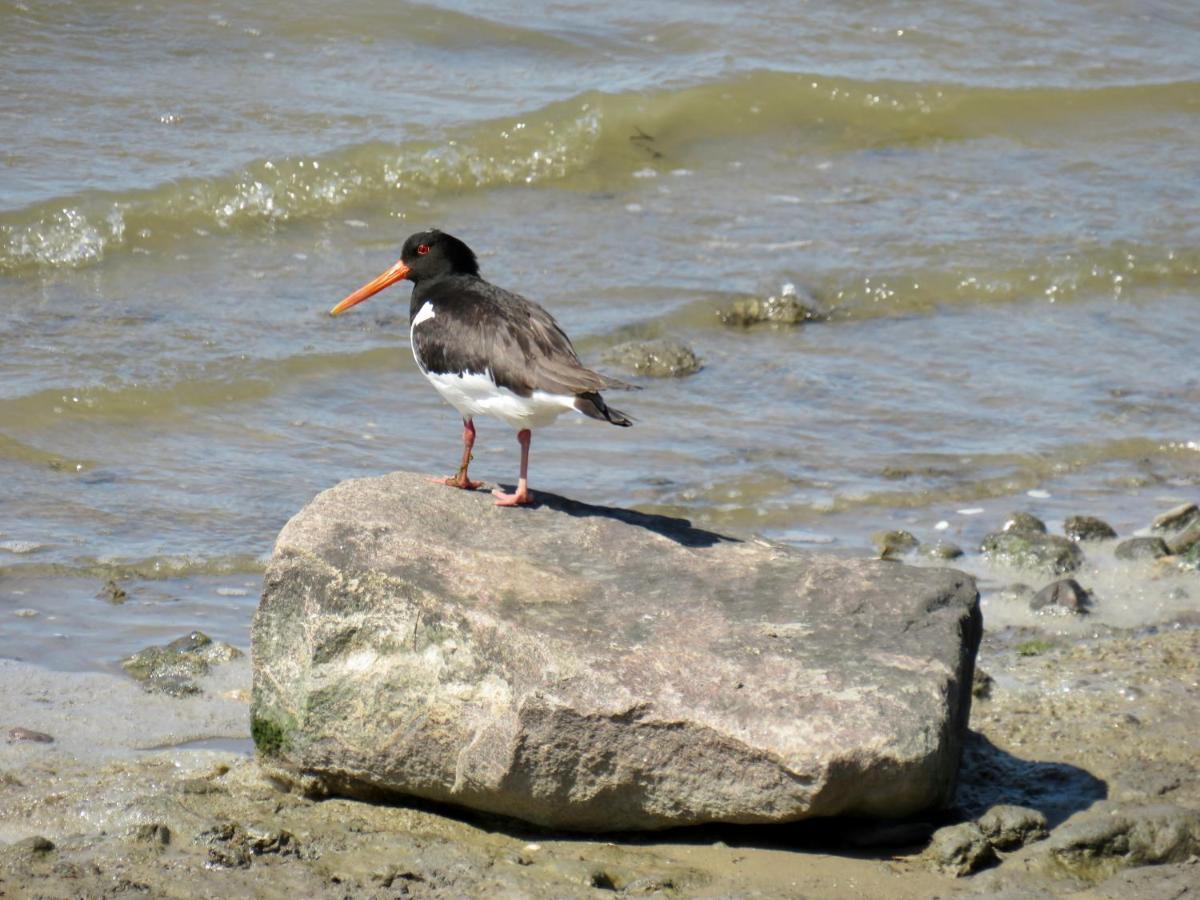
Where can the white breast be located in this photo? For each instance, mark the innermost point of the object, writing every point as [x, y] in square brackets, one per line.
[477, 394]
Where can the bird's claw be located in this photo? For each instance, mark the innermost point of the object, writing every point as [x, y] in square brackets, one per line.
[459, 481]
[518, 498]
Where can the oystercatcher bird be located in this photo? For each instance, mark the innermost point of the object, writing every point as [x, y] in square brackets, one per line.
[489, 351]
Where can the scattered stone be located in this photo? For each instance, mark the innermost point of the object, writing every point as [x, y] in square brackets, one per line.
[648, 884]
[399, 649]
[171, 669]
[1065, 596]
[786, 309]
[941, 550]
[21, 547]
[1024, 522]
[21, 735]
[1142, 548]
[35, 845]
[660, 358]
[1093, 847]
[959, 849]
[1088, 528]
[1183, 542]
[154, 833]
[112, 593]
[1008, 827]
[894, 543]
[1177, 519]
[233, 847]
[1047, 553]
[981, 684]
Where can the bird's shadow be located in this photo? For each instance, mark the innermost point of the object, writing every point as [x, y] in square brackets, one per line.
[679, 530]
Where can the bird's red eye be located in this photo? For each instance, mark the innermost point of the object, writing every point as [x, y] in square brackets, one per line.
[422, 249]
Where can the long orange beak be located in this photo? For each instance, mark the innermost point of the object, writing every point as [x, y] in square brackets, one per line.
[391, 276]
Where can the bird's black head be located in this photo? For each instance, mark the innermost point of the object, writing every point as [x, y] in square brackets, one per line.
[426, 255]
[429, 254]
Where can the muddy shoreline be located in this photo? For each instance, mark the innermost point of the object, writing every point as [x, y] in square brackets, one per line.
[1097, 727]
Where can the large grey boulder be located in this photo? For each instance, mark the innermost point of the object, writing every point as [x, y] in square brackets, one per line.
[592, 668]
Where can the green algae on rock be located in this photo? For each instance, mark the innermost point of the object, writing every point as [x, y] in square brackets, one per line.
[171, 669]
[657, 358]
[1034, 551]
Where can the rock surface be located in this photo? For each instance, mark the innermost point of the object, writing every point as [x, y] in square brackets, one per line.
[657, 358]
[173, 668]
[1098, 844]
[1064, 596]
[1088, 528]
[1142, 548]
[786, 309]
[599, 669]
[1033, 551]
[1024, 521]
[960, 849]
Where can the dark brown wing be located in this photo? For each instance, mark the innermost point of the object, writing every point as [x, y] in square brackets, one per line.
[478, 327]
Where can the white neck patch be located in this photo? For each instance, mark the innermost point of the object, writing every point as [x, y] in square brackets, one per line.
[423, 314]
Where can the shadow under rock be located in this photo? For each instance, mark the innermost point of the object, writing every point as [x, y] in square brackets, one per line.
[679, 530]
[989, 776]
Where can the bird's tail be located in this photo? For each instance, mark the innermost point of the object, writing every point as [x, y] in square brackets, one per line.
[593, 405]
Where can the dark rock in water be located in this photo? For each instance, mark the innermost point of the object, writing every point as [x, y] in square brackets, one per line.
[171, 669]
[112, 593]
[941, 550]
[1047, 553]
[1142, 548]
[959, 849]
[1095, 845]
[1088, 528]
[1177, 519]
[1009, 827]
[659, 358]
[894, 543]
[786, 309]
[1065, 596]
[1185, 540]
[584, 667]
[1023, 521]
[19, 735]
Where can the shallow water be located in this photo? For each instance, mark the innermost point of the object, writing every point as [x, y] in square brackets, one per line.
[997, 211]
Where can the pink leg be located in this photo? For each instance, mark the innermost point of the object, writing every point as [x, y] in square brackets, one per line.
[460, 480]
[522, 497]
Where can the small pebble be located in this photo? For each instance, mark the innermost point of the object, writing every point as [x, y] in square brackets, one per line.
[20, 735]
[1088, 528]
[1177, 518]
[1142, 548]
[1062, 596]
[1023, 521]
